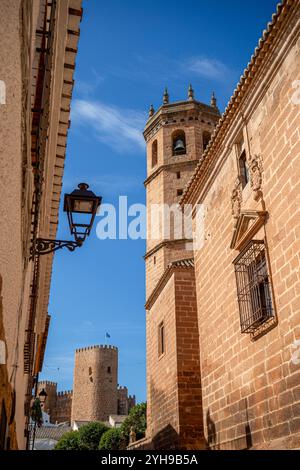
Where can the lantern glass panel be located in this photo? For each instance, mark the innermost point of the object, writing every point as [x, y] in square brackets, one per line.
[83, 206]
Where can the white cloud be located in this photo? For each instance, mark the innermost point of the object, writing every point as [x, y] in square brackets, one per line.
[160, 69]
[119, 128]
[88, 88]
[208, 68]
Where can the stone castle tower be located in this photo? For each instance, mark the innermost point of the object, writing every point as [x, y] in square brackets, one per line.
[96, 394]
[95, 388]
[176, 136]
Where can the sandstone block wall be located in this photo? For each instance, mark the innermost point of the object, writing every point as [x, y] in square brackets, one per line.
[15, 271]
[122, 393]
[63, 407]
[170, 175]
[95, 395]
[131, 402]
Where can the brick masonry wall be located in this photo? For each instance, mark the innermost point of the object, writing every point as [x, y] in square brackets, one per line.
[174, 388]
[162, 391]
[95, 384]
[251, 388]
[188, 362]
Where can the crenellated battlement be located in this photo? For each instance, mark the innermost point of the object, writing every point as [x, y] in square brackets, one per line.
[120, 387]
[47, 383]
[65, 394]
[103, 347]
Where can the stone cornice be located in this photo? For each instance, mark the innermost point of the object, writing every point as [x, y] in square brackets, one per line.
[165, 112]
[169, 166]
[286, 11]
[62, 64]
[165, 243]
[248, 224]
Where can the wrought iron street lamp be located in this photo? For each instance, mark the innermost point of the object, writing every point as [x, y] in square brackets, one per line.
[42, 396]
[81, 207]
[36, 414]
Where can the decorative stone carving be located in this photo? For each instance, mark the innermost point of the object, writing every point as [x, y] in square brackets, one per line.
[236, 199]
[256, 172]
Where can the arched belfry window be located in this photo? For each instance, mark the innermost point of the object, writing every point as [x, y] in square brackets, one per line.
[179, 143]
[154, 153]
[206, 138]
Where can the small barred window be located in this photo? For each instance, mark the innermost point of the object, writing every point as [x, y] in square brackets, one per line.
[253, 287]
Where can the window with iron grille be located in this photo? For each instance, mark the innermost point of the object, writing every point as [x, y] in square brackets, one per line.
[253, 287]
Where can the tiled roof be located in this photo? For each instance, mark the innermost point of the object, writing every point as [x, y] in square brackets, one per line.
[283, 9]
[52, 432]
[183, 263]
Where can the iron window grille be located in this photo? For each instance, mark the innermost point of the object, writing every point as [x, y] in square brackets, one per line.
[253, 287]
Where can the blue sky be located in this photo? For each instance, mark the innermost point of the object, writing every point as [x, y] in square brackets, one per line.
[128, 52]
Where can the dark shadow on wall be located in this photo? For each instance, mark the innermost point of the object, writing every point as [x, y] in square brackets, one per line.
[7, 395]
[166, 439]
[212, 435]
[212, 441]
[170, 430]
[248, 434]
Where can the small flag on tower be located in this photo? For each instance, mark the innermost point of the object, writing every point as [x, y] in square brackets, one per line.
[107, 335]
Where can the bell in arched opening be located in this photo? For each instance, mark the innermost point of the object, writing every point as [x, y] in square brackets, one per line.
[179, 146]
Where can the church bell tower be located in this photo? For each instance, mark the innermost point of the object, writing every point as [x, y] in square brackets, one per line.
[176, 136]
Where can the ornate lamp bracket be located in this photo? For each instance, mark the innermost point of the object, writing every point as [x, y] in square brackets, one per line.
[44, 246]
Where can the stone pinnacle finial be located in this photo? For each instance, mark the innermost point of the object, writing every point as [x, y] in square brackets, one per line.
[151, 111]
[213, 101]
[166, 96]
[190, 93]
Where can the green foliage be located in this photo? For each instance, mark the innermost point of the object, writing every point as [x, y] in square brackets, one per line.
[112, 440]
[97, 435]
[36, 412]
[69, 441]
[137, 421]
[90, 435]
[87, 438]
